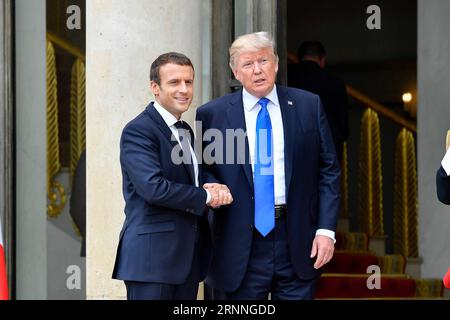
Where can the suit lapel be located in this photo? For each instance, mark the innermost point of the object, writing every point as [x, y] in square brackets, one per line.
[289, 117]
[162, 125]
[236, 120]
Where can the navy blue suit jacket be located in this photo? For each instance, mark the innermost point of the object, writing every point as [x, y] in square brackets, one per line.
[443, 186]
[312, 184]
[164, 209]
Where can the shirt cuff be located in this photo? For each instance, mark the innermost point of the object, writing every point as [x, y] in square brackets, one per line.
[208, 196]
[327, 233]
[446, 162]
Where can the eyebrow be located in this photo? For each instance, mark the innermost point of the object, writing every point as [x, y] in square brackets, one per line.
[179, 79]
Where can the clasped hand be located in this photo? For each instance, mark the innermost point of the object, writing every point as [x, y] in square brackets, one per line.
[220, 194]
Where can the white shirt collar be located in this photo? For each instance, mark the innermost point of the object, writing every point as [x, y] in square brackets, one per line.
[169, 118]
[251, 101]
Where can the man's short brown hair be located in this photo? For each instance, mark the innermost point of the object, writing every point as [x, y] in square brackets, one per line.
[169, 57]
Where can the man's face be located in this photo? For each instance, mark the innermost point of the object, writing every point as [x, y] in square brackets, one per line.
[176, 90]
[256, 71]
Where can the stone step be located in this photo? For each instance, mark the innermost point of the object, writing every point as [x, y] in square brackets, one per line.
[377, 244]
[413, 266]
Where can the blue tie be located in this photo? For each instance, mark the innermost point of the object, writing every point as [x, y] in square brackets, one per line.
[263, 172]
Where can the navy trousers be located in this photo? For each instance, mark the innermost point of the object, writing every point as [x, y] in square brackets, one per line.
[270, 271]
[163, 291]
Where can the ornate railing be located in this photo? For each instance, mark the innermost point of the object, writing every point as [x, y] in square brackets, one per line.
[405, 212]
[405, 196]
[77, 114]
[55, 190]
[370, 183]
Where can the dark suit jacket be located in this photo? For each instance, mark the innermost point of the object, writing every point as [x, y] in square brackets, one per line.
[308, 75]
[312, 184]
[164, 209]
[443, 186]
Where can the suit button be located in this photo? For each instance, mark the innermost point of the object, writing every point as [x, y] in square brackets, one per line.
[253, 198]
[250, 227]
[194, 226]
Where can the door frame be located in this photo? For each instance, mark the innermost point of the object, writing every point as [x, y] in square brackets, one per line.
[7, 137]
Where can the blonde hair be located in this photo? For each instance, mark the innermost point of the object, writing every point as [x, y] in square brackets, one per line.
[250, 43]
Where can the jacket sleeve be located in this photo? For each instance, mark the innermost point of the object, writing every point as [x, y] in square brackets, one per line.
[329, 176]
[139, 157]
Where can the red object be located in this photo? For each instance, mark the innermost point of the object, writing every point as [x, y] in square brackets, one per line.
[447, 279]
[3, 279]
[356, 287]
[343, 262]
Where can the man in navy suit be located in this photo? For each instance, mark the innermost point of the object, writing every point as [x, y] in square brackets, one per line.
[280, 229]
[164, 246]
[443, 176]
[310, 75]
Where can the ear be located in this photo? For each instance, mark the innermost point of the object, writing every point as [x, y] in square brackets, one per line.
[276, 59]
[154, 87]
[236, 74]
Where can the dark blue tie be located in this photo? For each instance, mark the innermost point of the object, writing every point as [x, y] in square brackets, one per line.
[186, 136]
[263, 172]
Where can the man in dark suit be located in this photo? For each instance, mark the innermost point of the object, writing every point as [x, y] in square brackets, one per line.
[164, 245]
[443, 176]
[310, 74]
[284, 177]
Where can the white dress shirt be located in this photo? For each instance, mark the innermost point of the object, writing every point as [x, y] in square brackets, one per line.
[446, 162]
[170, 120]
[251, 110]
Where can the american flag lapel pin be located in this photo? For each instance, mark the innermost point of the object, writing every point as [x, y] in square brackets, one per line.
[290, 103]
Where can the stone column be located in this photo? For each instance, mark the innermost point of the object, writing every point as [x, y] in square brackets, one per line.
[31, 135]
[433, 122]
[122, 39]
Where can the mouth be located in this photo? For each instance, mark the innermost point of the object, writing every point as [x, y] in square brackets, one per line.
[259, 81]
[182, 100]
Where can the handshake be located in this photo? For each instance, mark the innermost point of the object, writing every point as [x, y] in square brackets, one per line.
[220, 194]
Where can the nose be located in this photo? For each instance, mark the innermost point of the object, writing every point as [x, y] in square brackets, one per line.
[257, 67]
[183, 87]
